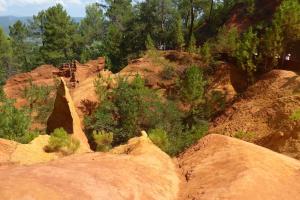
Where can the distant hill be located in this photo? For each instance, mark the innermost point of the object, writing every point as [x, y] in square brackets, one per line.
[6, 21]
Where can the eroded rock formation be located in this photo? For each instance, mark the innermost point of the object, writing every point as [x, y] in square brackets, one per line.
[13, 153]
[144, 173]
[64, 116]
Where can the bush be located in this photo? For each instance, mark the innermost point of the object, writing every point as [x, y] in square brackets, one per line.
[173, 144]
[192, 85]
[60, 141]
[295, 116]
[192, 47]
[182, 141]
[244, 135]
[40, 99]
[14, 123]
[130, 108]
[103, 140]
[226, 41]
[150, 43]
[246, 52]
[27, 137]
[206, 55]
[160, 138]
[282, 34]
[168, 72]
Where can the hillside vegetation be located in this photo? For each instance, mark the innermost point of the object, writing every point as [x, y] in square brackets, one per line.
[177, 111]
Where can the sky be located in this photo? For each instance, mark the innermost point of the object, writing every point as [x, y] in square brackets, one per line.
[75, 8]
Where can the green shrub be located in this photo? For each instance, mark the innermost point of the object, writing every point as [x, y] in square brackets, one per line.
[226, 41]
[192, 85]
[149, 43]
[130, 108]
[216, 102]
[206, 56]
[160, 138]
[103, 140]
[244, 135]
[246, 52]
[101, 89]
[40, 99]
[182, 141]
[60, 141]
[168, 72]
[192, 48]
[282, 34]
[14, 123]
[178, 33]
[27, 137]
[295, 116]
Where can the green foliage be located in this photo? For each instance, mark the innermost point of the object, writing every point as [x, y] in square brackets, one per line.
[58, 35]
[160, 138]
[25, 58]
[206, 55]
[295, 116]
[192, 48]
[103, 140]
[6, 67]
[40, 100]
[168, 72]
[60, 141]
[101, 89]
[192, 85]
[217, 101]
[27, 137]
[288, 18]
[130, 108]
[282, 34]
[246, 52]
[14, 123]
[149, 43]
[113, 46]
[179, 42]
[93, 51]
[243, 135]
[91, 26]
[226, 41]
[182, 141]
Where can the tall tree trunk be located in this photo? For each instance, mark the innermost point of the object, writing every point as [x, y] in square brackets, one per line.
[211, 9]
[192, 22]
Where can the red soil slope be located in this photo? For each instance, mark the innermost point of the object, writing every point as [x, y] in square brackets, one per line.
[262, 114]
[220, 167]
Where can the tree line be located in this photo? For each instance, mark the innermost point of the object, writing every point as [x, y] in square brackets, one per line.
[117, 30]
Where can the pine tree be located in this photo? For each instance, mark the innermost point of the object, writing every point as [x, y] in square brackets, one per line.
[6, 67]
[18, 33]
[246, 52]
[192, 48]
[286, 25]
[149, 43]
[91, 27]
[58, 35]
[179, 34]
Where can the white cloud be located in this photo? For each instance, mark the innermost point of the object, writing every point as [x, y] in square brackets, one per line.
[5, 3]
[2, 5]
